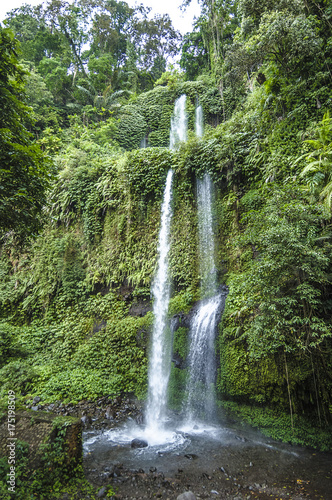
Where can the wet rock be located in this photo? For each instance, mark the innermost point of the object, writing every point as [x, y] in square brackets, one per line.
[36, 400]
[153, 469]
[177, 360]
[86, 420]
[240, 438]
[35, 408]
[101, 493]
[187, 495]
[191, 456]
[139, 443]
[139, 419]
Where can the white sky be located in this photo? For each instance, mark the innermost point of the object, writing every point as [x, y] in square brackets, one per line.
[181, 22]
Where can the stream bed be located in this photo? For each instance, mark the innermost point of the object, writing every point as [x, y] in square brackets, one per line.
[218, 461]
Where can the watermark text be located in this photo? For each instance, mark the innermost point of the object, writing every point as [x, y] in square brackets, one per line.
[11, 445]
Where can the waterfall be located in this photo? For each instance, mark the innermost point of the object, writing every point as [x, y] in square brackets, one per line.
[161, 347]
[201, 359]
[160, 356]
[199, 122]
[179, 123]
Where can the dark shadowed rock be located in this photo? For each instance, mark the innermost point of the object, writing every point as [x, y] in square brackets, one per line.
[138, 443]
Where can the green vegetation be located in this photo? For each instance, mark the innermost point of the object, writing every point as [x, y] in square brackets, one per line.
[80, 201]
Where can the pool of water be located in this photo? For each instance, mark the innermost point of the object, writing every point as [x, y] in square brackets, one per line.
[220, 455]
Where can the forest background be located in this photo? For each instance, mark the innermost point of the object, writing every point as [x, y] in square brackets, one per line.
[87, 92]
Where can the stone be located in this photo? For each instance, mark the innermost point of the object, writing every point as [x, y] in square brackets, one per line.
[34, 408]
[36, 400]
[101, 493]
[153, 469]
[187, 495]
[86, 420]
[138, 443]
[109, 413]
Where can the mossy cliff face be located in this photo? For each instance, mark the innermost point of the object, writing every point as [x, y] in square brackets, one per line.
[46, 452]
[76, 305]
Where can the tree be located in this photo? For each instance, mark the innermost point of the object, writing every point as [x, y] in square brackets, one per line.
[194, 58]
[24, 176]
[318, 171]
[155, 40]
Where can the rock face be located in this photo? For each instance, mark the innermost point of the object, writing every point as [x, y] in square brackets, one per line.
[138, 443]
[40, 428]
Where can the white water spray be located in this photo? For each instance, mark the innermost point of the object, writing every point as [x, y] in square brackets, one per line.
[200, 402]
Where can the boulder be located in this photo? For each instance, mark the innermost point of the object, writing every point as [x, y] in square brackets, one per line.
[187, 495]
[138, 443]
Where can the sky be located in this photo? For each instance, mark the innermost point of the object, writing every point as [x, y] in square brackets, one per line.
[181, 22]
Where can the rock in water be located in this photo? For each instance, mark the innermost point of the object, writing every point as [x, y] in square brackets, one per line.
[187, 495]
[138, 443]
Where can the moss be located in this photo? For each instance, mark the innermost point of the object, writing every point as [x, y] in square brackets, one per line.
[249, 380]
[279, 426]
[180, 342]
[176, 387]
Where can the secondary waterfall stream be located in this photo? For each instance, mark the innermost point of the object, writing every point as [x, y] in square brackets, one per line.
[200, 402]
[199, 121]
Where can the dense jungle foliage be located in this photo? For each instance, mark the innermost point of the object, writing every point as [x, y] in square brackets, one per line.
[88, 91]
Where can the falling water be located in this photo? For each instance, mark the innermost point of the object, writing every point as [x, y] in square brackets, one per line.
[199, 124]
[143, 143]
[161, 349]
[159, 367]
[179, 123]
[201, 360]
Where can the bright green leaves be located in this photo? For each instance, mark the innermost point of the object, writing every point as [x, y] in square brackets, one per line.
[318, 171]
[147, 170]
[278, 302]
